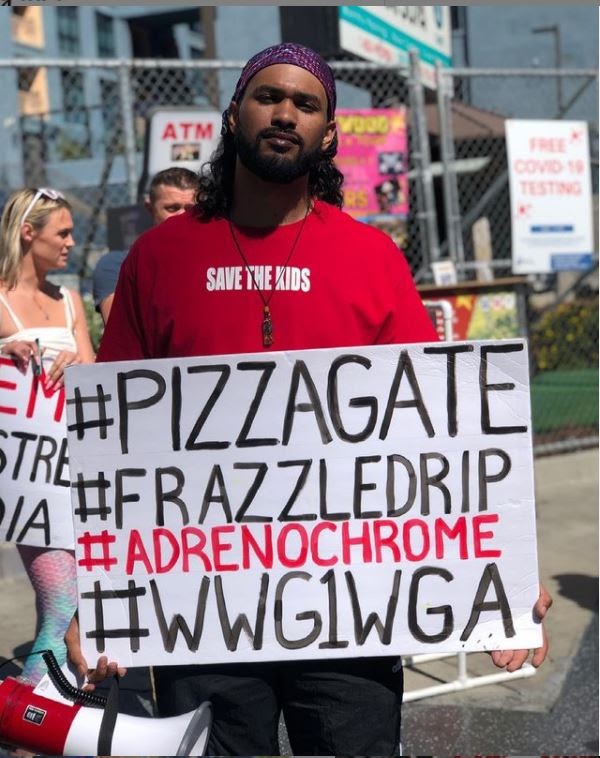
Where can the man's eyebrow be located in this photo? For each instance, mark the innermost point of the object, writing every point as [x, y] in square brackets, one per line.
[272, 89]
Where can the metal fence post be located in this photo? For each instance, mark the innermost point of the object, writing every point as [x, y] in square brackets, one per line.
[451, 206]
[427, 213]
[128, 130]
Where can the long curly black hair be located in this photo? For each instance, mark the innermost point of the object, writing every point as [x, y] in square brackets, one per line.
[215, 191]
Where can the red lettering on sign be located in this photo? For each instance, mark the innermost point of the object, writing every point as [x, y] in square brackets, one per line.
[282, 546]
[7, 386]
[479, 535]
[196, 549]
[169, 132]
[136, 552]
[315, 546]
[52, 391]
[264, 553]
[219, 546]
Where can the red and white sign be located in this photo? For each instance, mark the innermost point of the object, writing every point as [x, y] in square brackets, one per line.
[182, 137]
[35, 503]
[550, 196]
[311, 504]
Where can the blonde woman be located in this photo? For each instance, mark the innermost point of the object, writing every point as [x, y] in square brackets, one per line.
[39, 318]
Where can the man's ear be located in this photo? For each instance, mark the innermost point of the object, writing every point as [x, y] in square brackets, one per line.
[232, 116]
[328, 137]
[148, 205]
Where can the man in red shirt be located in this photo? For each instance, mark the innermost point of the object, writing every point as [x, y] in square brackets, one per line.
[268, 261]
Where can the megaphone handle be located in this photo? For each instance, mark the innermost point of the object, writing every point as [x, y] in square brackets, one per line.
[109, 719]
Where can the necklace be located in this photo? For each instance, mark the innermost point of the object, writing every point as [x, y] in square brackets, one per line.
[42, 309]
[267, 322]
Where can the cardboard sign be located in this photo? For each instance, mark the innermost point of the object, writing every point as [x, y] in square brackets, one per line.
[310, 504]
[35, 504]
[550, 196]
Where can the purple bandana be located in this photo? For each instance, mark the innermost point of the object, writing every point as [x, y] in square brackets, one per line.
[296, 55]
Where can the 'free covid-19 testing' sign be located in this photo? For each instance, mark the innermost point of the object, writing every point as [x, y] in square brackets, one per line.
[550, 196]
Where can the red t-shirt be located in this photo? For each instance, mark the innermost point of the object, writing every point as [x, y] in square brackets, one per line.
[184, 289]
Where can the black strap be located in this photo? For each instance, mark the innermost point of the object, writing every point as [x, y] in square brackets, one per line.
[109, 719]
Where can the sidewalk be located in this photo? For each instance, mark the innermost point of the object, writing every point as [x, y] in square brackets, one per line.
[554, 712]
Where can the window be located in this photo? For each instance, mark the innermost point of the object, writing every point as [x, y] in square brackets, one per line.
[458, 18]
[73, 97]
[105, 31]
[68, 29]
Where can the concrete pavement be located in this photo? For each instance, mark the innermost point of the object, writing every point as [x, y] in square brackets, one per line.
[554, 712]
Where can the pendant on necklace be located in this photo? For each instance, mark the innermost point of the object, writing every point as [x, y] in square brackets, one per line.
[267, 327]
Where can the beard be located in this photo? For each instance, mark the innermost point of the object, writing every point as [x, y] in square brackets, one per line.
[279, 169]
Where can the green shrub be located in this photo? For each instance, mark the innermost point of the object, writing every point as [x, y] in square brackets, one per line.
[94, 321]
[566, 336]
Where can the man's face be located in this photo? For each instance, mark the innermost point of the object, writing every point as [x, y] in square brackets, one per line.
[169, 201]
[280, 127]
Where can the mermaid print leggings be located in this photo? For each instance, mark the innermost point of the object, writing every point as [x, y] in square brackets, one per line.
[52, 574]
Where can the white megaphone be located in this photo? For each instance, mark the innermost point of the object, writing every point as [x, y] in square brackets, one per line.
[52, 725]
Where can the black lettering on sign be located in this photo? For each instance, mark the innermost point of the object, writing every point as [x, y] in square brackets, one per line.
[390, 491]
[405, 366]
[361, 486]
[224, 372]
[333, 401]
[120, 497]
[176, 408]
[323, 512]
[41, 510]
[299, 371]
[45, 457]
[485, 478]
[62, 463]
[384, 630]
[332, 637]
[305, 467]
[490, 575]
[451, 401]
[313, 616]
[133, 632]
[170, 631]
[413, 603]
[261, 472]
[434, 480]
[485, 389]
[171, 496]
[25, 437]
[267, 368]
[216, 480]
[231, 632]
[100, 487]
[126, 406]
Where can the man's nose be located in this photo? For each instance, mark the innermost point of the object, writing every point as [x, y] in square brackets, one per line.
[284, 114]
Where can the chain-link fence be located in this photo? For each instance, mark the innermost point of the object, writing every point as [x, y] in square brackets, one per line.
[561, 308]
[82, 130]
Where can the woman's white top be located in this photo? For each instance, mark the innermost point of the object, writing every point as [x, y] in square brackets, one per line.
[53, 339]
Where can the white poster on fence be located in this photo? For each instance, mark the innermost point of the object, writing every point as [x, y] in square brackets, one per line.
[310, 504]
[35, 503]
[550, 196]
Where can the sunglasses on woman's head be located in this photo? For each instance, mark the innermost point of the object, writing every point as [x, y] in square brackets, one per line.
[51, 194]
